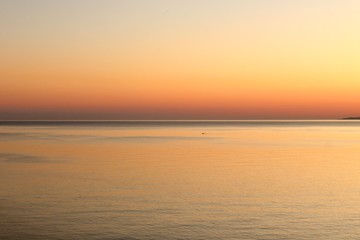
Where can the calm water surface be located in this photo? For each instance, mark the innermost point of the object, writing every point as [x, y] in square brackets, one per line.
[180, 180]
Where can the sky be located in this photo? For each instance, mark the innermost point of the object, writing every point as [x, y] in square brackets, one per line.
[188, 59]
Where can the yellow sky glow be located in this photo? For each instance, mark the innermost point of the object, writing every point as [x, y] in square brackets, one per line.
[179, 59]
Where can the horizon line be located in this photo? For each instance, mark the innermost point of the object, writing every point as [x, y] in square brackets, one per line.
[175, 120]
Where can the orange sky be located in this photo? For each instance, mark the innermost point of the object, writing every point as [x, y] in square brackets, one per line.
[258, 59]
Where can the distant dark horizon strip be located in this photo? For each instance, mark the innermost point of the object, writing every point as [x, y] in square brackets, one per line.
[125, 123]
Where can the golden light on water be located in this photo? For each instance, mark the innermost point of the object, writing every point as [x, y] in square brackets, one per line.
[255, 181]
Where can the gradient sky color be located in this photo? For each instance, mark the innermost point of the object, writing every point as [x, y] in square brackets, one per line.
[198, 59]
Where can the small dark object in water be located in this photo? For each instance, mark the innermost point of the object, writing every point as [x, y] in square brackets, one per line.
[202, 133]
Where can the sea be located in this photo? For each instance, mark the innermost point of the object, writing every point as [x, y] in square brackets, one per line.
[117, 180]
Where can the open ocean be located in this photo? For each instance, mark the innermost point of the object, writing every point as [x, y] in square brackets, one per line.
[180, 180]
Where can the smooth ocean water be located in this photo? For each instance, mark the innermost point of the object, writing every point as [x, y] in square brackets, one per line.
[180, 180]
